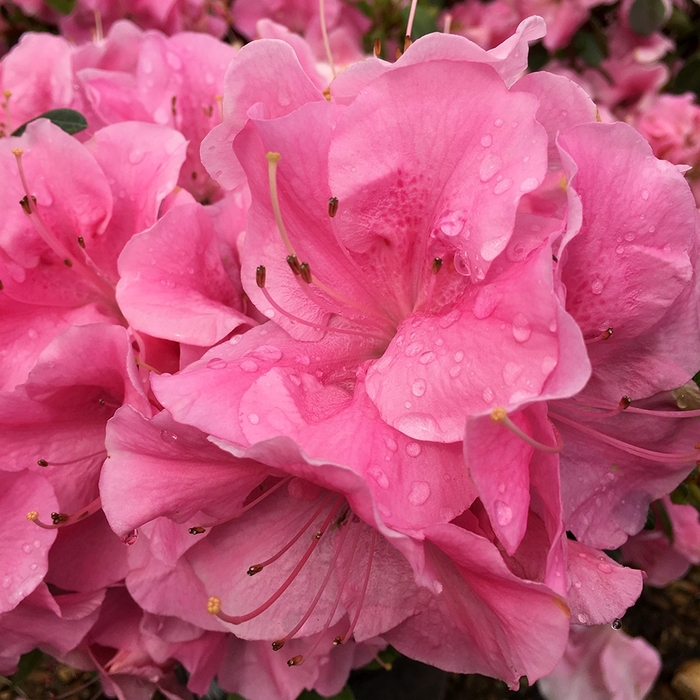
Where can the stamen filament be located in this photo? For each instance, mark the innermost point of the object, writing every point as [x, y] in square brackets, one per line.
[214, 604]
[310, 324]
[596, 403]
[344, 637]
[499, 415]
[448, 23]
[651, 455]
[272, 160]
[605, 335]
[279, 644]
[324, 34]
[62, 520]
[257, 568]
[46, 463]
[411, 16]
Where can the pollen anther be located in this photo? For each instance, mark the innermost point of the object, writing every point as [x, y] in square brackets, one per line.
[260, 274]
[213, 605]
[332, 206]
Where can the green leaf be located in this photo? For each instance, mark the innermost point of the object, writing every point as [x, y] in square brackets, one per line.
[65, 7]
[688, 79]
[588, 47]
[67, 119]
[646, 16]
[344, 694]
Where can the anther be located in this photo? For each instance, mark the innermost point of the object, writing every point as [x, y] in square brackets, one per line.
[214, 605]
[305, 272]
[42, 463]
[197, 530]
[33, 516]
[437, 264]
[26, 206]
[625, 402]
[406, 42]
[377, 47]
[318, 534]
[332, 206]
[57, 518]
[81, 242]
[294, 264]
[276, 646]
[339, 640]
[173, 107]
[67, 263]
[498, 415]
[397, 53]
[256, 569]
[260, 274]
[295, 660]
[17, 152]
[2, 286]
[608, 333]
[273, 157]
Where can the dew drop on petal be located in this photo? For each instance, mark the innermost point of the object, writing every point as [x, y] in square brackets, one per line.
[380, 477]
[412, 349]
[528, 184]
[413, 449]
[597, 286]
[254, 418]
[489, 167]
[616, 623]
[583, 619]
[426, 358]
[645, 195]
[249, 366]
[498, 122]
[391, 444]
[454, 371]
[487, 394]
[521, 328]
[459, 356]
[419, 493]
[449, 319]
[486, 301]
[6, 581]
[502, 186]
[504, 513]
[167, 436]
[462, 264]
[27, 548]
[217, 363]
[419, 387]
[486, 140]
[604, 568]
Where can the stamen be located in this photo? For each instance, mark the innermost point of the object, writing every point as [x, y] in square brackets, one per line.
[99, 36]
[344, 637]
[332, 206]
[272, 160]
[324, 34]
[406, 42]
[305, 272]
[199, 529]
[499, 415]
[46, 463]
[651, 455]
[295, 660]
[434, 269]
[625, 404]
[276, 646]
[377, 47]
[448, 23]
[605, 335]
[81, 242]
[257, 568]
[294, 264]
[173, 105]
[260, 276]
[238, 619]
[62, 520]
[409, 25]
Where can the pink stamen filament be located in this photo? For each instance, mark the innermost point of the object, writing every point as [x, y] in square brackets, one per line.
[651, 455]
[331, 567]
[256, 568]
[336, 602]
[605, 335]
[499, 415]
[310, 324]
[62, 520]
[324, 34]
[46, 463]
[246, 508]
[344, 637]
[238, 619]
[411, 16]
[69, 259]
[596, 403]
[448, 23]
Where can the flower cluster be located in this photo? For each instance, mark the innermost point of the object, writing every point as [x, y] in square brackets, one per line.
[301, 362]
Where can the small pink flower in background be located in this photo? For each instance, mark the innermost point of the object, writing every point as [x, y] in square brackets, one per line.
[602, 663]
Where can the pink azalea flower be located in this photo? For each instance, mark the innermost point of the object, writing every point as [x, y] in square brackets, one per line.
[602, 664]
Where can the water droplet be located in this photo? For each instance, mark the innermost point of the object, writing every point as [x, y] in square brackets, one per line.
[421, 426]
[37, 544]
[34, 566]
[136, 156]
[511, 371]
[498, 122]
[217, 363]
[130, 537]
[620, 249]
[254, 418]
[583, 619]
[645, 195]
[629, 236]
[597, 286]
[487, 394]
[486, 301]
[504, 513]
[27, 548]
[419, 493]
[6, 581]
[502, 186]
[32, 334]
[459, 356]
[521, 328]
[528, 184]
[249, 366]
[167, 436]
[454, 371]
[426, 358]
[501, 488]
[489, 167]
[604, 568]
[268, 352]
[553, 325]
[616, 623]
[419, 387]
[452, 224]
[412, 349]
[486, 140]
[577, 584]
[462, 264]
[413, 449]
[449, 319]
[380, 477]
